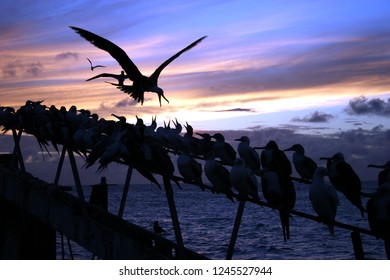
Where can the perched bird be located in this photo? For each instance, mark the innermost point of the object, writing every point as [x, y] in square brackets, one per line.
[378, 212]
[278, 189]
[345, 179]
[189, 168]
[93, 67]
[121, 77]
[304, 165]
[248, 154]
[383, 175]
[323, 198]
[205, 144]
[244, 180]
[141, 83]
[157, 228]
[218, 175]
[191, 142]
[223, 150]
[272, 153]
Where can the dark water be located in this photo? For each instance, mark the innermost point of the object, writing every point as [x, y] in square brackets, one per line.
[207, 220]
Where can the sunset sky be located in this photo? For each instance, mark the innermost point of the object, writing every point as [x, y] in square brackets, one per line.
[315, 68]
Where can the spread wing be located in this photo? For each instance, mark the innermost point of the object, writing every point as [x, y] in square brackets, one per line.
[116, 52]
[107, 75]
[137, 95]
[157, 72]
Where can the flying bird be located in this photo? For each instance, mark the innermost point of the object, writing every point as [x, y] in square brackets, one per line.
[93, 67]
[141, 83]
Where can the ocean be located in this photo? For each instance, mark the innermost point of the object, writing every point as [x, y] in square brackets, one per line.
[207, 220]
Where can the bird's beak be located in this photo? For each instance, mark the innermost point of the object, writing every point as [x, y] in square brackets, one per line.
[289, 149]
[259, 148]
[325, 158]
[376, 166]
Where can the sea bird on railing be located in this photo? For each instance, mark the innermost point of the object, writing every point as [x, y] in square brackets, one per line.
[344, 179]
[244, 180]
[278, 190]
[218, 175]
[141, 83]
[378, 212]
[323, 198]
[383, 175]
[248, 154]
[189, 168]
[223, 150]
[304, 165]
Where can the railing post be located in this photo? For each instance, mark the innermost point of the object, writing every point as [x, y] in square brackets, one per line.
[357, 245]
[236, 227]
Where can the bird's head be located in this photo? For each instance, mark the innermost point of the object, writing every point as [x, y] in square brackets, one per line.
[298, 148]
[160, 94]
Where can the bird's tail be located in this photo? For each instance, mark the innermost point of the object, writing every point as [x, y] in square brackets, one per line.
[331, 229]
[284, 219]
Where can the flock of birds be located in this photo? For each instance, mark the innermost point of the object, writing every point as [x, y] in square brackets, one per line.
[147, 148]
[151, 150]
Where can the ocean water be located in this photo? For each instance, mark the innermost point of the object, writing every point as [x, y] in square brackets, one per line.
[207, 220]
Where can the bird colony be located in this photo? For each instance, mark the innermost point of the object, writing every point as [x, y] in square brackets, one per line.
[152, 150]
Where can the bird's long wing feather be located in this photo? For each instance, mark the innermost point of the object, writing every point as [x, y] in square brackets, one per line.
[104, 75]
[157, 72]
[116, 52]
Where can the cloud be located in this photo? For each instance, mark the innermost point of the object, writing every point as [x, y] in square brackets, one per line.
[363, 106]
[236, 110]
[67, 55]
[17, 68]
[315, 117]
[34, 69]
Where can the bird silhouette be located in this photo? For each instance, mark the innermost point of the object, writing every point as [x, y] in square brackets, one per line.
[304, 165]
[223, 150]
[323, 198]
[141, 83]
[278, 189]
[157, 228]
[345, 180]
[384, 174]
[218, 175]
[93, 67]
[378, 212]
[244, 180]
[248, 154]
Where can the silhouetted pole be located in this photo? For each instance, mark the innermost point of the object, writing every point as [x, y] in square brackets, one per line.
[59, 168]
[357, 245]
[236, 227]
[174, 217]
[76, 175]
[17, 152]
[125, 191]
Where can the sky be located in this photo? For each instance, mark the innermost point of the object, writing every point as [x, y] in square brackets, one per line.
[311, 71]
